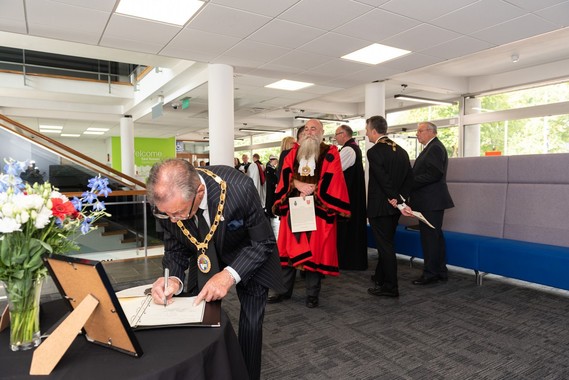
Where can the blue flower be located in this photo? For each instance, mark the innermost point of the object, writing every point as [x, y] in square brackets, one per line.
[89, 197]
[99, 206]
[77, 203]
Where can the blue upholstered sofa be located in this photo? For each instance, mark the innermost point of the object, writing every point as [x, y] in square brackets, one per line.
[510, 218]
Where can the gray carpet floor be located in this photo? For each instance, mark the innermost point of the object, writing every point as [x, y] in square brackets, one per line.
[457, 330]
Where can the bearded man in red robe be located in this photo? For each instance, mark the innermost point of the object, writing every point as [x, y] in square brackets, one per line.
[311, 168]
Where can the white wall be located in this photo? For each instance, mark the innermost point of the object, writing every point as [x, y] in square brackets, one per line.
[94, 148]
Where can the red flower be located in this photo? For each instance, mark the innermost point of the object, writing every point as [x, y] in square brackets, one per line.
[62, 209]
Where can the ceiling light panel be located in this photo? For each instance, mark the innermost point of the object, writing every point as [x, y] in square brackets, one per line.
[289, 85]
[375, 53]
[176, 12]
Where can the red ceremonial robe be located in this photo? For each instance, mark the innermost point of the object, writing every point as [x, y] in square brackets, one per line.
[314, 250]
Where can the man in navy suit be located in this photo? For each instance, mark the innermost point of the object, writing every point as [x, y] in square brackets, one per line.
[242, 238]
[390, 180]
[431, 197]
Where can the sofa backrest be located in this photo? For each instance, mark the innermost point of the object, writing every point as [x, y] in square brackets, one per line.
[478, 186]
[537, 201]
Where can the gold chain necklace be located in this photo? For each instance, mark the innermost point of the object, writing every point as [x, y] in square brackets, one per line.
[202, 246]
[387, 141]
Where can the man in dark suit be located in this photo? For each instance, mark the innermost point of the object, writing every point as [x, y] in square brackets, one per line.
[390, 179]
[352, 240]
[431, 197]
[238, 232]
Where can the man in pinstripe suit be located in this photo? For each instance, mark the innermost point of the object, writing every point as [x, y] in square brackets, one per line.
[243, 240]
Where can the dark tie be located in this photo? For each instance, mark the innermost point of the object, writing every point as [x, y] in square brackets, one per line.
[203, 229]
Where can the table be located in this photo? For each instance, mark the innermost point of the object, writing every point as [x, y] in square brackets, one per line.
[169, 353]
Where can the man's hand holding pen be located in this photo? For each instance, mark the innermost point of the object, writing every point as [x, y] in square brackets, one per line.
[162, 294]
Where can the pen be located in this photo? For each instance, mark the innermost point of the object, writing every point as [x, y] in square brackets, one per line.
[166, 274]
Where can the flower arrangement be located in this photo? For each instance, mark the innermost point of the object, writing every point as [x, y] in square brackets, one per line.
[36, 220]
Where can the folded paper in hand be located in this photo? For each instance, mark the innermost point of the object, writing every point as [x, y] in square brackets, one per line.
[142, 312]
[416, 214]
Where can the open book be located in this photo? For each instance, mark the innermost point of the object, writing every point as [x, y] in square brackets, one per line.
[142, 312]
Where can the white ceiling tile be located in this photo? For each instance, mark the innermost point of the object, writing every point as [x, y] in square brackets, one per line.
[324, 14]
[57, 20]
[533, 5]
[285, 33]
[424, 10]
[131, 44]
[377, 25]
[412, 61]
[297, 59]
[230, 22]
[514, 30]
[368, 75]
[190, 43]
[420, 37]
[256, 51]
[337, 67]
[558, 14]
[101, 5]
[456, 48]
[130, 28]
[334, 45]
[12, 18]
[478, 16]
[263, 7]
[375, 3]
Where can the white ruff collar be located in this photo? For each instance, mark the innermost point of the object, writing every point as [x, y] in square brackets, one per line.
[306, 166]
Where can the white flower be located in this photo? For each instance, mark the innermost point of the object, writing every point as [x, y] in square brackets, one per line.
[43, 218]
[8, 210]
[30, 202]
[8, 225]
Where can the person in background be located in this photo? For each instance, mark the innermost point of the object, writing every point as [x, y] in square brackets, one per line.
[271, 181]
[242, 241]
[390, 180]
[431, 197]
[244, 166]
[352, 233]
[257, 173]
[286, 146]
[311, 168]
[236, 163]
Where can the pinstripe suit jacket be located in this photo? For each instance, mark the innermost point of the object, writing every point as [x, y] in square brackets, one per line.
[244, 238]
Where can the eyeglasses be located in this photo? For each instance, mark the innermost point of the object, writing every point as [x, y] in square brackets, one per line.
[338, 133]
[162, 215]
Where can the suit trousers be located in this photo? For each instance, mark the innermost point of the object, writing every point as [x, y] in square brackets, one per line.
[253, 299]
[383, 228]
[433, 244]
[311, 279]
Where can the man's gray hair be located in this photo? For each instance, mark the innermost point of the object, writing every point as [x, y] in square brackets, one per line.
[172, 175]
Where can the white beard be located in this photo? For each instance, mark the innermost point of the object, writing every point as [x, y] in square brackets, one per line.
[309, 147]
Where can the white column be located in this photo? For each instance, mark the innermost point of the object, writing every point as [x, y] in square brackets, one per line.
[127, 145]
[221, 114]
[471, 138]
[374, 106]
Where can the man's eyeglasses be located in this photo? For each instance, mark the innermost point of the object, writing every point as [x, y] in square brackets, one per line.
[162, 215]
[338, 133]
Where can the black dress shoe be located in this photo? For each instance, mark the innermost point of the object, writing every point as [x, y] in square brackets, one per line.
[311, 302]
[276, 298]
[425, 281]
[443, 278]
[382, 292]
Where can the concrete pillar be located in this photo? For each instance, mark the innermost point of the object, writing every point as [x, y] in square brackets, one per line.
[221, 114]
[127, 145]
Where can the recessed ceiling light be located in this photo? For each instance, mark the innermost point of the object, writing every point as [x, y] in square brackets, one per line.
[375, 53]
[176, 12]
[93, 133]
[97, 129]
[56, 127]
[289, 85]
[70, 135]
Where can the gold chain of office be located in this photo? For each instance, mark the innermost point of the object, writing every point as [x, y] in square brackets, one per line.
[202, 246]
[389, 142]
